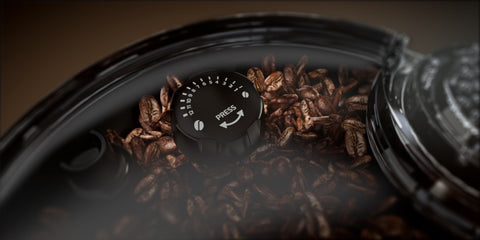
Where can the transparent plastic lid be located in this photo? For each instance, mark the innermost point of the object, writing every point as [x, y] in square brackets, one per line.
[447, 90]
[423, 129]
[250, 126]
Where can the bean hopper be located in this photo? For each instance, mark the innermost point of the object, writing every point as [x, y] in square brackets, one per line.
[252, 126]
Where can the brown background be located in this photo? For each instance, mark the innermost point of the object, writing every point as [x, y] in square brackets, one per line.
[43, 44]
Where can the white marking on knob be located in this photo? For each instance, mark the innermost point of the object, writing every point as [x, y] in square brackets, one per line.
[245, 94]
[198, 125]
[225, 124]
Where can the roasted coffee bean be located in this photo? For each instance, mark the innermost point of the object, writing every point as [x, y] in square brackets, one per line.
[146, 188]
[283, 102]
[353, 125]
[232, 213]
[304, 80]
[323, 227]
[113, 137]
[342, 75]
[325, 106]
[290, 76]
[302, 63]
[308, 92]
[357, 102]
[286, 137]
[314, 111]
[361, 161]
[152, 152]
[150, 112]
[274, 81]
[256, 76]
[361, 188]
[169, 212]
[165, 126]
[134, 133]
[245, 174]
[124, 226]
[263, 150]
[166, 144]
[165, 98]
[137, 146]
[306, 136]
[319, 73]
[390, 225]
[346, 88]
[268, 64]
[355, 143]
[275, 115]
[174, 161]
[230, 231]
[364, 89]
[174, 82]
[385, 205]
[329, 86]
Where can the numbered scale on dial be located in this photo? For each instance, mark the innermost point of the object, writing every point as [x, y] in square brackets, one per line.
[217, 113]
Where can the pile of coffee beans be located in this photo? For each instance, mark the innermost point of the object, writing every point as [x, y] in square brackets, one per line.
[312, 176]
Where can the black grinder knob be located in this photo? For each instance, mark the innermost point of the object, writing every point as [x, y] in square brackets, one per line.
[217, 114]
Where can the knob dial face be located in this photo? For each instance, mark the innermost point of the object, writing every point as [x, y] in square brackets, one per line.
[216, 106]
